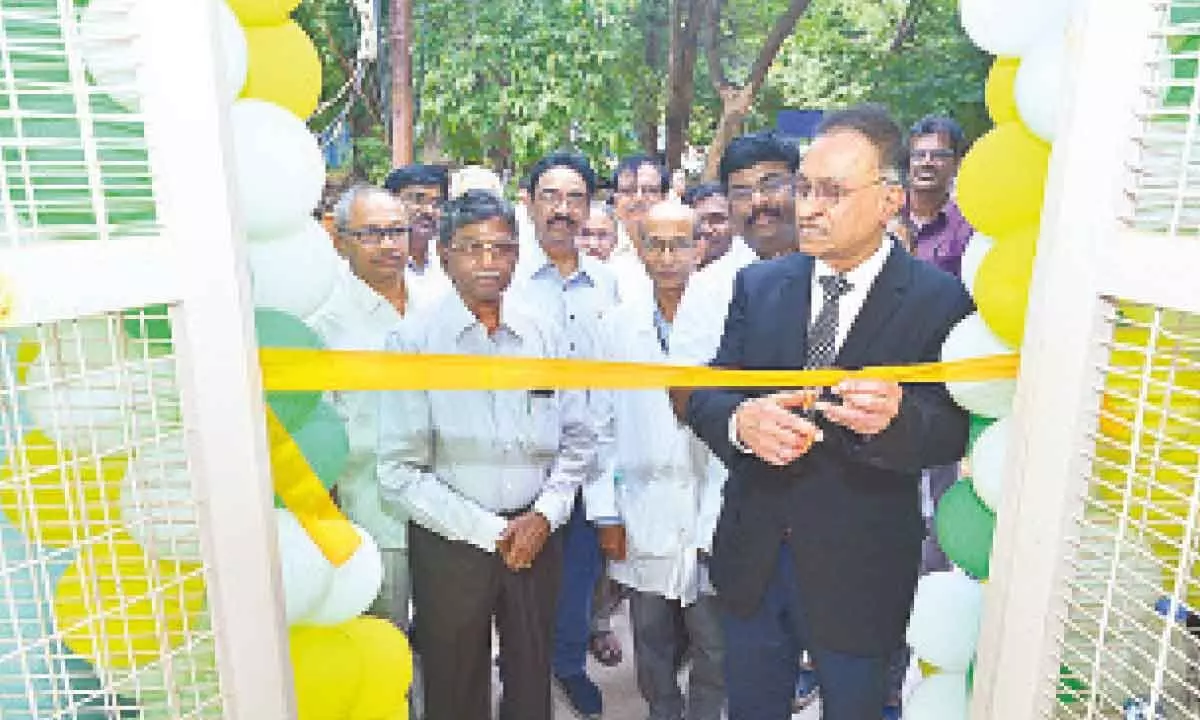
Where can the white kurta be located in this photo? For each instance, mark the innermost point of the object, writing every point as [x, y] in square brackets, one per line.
[700, 320]
[668, 500]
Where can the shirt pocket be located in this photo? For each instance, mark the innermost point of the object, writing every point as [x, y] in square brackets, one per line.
[545, 422]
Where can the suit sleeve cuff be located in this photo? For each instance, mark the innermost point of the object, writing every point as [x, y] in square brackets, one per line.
[733, 434]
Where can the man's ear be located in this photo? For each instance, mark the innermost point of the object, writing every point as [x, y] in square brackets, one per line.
[893, 199]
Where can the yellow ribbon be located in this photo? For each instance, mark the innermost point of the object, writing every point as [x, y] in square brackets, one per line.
[287, 370]
[291, 370]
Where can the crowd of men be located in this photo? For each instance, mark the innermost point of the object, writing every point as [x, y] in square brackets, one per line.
[768, 541]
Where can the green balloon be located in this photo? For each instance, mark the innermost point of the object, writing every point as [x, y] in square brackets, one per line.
[325, 444]
[275, 329]
[965, 528]
[971, 677]
[977, 426]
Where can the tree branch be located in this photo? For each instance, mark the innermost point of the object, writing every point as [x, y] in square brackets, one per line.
[906, 26]
[779, 33]
[712, 49]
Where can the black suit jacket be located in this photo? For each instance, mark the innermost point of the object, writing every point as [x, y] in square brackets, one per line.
[851, 506]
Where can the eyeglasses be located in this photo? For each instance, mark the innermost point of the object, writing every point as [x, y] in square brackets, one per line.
[938, 155]
[376, 235]
[420, 199]
[647, 191]
[554, 198]
[660, 246]
[598, 234]
[826, 191]
[474, 250]
[768, 186]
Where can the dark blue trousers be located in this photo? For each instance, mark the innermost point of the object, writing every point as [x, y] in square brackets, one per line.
[581, 569]
[762, 652]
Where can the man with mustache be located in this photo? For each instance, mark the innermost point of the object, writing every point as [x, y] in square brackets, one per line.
[487, 478]
[819, 540]
[573, 290]
[422, 189]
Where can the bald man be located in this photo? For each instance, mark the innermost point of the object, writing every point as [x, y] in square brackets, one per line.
[667, 498]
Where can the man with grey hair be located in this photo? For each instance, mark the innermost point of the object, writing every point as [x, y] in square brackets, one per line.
[598, 235]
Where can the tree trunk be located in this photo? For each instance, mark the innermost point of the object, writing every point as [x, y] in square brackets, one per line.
[402, 89]
[736, 101]
[681, 76]
[648, 113]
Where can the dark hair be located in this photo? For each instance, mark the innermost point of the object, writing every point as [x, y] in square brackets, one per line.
[941, 125]
[403, 177]
[523, 183]
[875, 124]
[632, 163]
[474, 206]
[567, 159]
[703, 191]
[749, 150]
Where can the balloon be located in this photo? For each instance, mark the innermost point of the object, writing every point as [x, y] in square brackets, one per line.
[253, 13]
[307, 575]
[1002, 180]
[328, 672]
[1002, 286]
[57, 497]
[275, 329]
[977, 248]
[971, 338]
[279, 171]
[387, 665]
[296, 273]
[1010, 27]
[977, 426]
[284, 68]
[325, 444]
[941, 697]
[158, 506]
[944, 626]
[354, 587]
[989, 465]
[31, 673]
[965, 529]
[110, 407]
[1040, 85]
[120, 609]
[108, 42]
[998, 93]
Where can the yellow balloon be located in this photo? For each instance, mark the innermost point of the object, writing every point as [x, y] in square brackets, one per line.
[120, 609]
[328, 671]
[1002, 285]
[927, 668]
[999, 94]
[387, 666]
[57, 498]
[252, 13]
[1002, 180]
[284, 68]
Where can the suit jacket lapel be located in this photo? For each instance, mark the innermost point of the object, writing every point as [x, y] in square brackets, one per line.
[794, 304]
[881, 304]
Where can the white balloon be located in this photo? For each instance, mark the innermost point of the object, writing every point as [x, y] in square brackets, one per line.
[972, 258]
[354, 587]
[307, 575]
[279, 171]
[989, 464]
[112, 406]
[971, 338]
[109, 44]
[944, 627]
[1040, 83]
[296, 273]
[157, 504]
[1012, 27]
[939, 697]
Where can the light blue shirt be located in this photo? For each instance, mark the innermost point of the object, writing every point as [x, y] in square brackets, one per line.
[453, 460]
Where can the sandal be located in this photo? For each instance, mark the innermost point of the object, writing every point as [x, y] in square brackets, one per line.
[606, 648]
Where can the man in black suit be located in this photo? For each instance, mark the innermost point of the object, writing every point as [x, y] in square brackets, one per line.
[819, 540]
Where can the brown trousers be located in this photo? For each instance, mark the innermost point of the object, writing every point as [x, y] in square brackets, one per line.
[457, 590]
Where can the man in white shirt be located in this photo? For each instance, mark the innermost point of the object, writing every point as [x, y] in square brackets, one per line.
[573, 290]
[639, 181]
[598, 235]
[487, 477]
[422, 189]
[371, 232]
[713, 227]
[668, 500]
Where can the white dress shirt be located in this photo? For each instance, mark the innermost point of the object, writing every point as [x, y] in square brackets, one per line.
[431, 282]
[700, 319]
[453, 460]
[358, 318]
[633, 282]
[575, 305]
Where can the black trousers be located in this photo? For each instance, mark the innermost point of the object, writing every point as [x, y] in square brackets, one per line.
[457, 590]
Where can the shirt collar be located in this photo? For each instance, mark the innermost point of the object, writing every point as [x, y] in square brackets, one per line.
[364, 296]
[457, 319]
[586, 271]
[863, 276]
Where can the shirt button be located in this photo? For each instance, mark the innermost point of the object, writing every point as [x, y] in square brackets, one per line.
[572, 347]
[571, 316]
